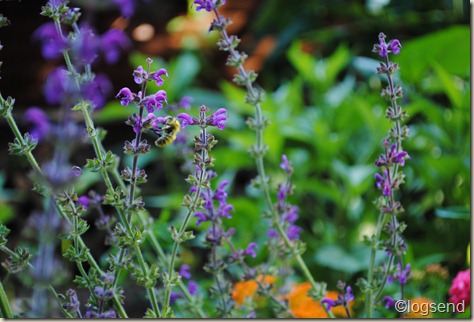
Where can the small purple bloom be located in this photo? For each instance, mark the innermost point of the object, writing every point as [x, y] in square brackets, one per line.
[218, 119]
[389, 302]
[250, 250]
[187, 120]
[85, 47]
[84, 202]
[221, 194]
[291, 215]
[57, 85]
[285, 164]
[139, 75]
[126, 96]
[192, 287]
[174, 296]
[207, 5]
[224, 210]
[348, 296]
[110, 314]
[185, 102]
[202, 217]
[271, 233]
[293, 232]
[383, 183]
[111, 42]
[97, 90]
[156, 76]
[394, 46]
[185, 271]
[329, 303]
[41, 125]
[52, 43]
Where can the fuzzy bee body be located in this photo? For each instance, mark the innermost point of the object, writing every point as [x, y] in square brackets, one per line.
[168, 132]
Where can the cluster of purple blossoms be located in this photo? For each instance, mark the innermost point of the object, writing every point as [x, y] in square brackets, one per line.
[386, 182]
[218, 119]
[383, 48]
[151, 103]
[208, 5]
[288, 213]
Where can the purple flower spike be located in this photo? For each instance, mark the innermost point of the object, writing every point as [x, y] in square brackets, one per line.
[250, 250]
[156, 76]
[382, 48]
[126, 96]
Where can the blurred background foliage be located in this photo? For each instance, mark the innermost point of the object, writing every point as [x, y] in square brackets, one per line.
[323, 101]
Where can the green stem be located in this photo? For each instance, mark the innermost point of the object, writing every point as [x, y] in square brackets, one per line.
[5, 304]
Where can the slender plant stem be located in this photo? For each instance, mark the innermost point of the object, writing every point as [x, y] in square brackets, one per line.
[5, 304]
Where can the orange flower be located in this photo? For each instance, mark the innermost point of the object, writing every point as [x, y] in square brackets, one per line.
[422, 305]
[244, 289]
[302, 305]
[339, 310]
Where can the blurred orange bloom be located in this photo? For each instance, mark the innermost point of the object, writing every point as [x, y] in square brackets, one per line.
[420, 302]
[303, 306]
[244, 289]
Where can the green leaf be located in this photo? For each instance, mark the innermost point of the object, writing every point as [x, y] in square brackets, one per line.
[455, 212]
[450, 87]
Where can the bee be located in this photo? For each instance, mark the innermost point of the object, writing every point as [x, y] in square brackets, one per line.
[168, 132]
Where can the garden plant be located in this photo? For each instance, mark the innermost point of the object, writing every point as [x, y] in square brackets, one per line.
[342, 190]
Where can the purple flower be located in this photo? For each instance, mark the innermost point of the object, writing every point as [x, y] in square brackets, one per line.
[291, 215]
[281, 195]
[127, 7]
[185, 271]
[285, 164]
[52, 43]
[218, 119]
[293, 232]
[84, 201]
[187, 120]
[271, 233]
[156, 76]
[394, 46]
[208, 5]
[221, 194]
[58, 84]
[85, 46]
[192, 287]
[126, 96]
[329, 303]
[174, 296]
[382, 48]
[41, 125]
[139, 75]
[111, 42]
[401, 275]
[224, 210]
[202, 217]
[153, 102]
[185, 102]
[250, 250]
[97, 90]
[110, 314]
[383, 183]
[389, 302]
